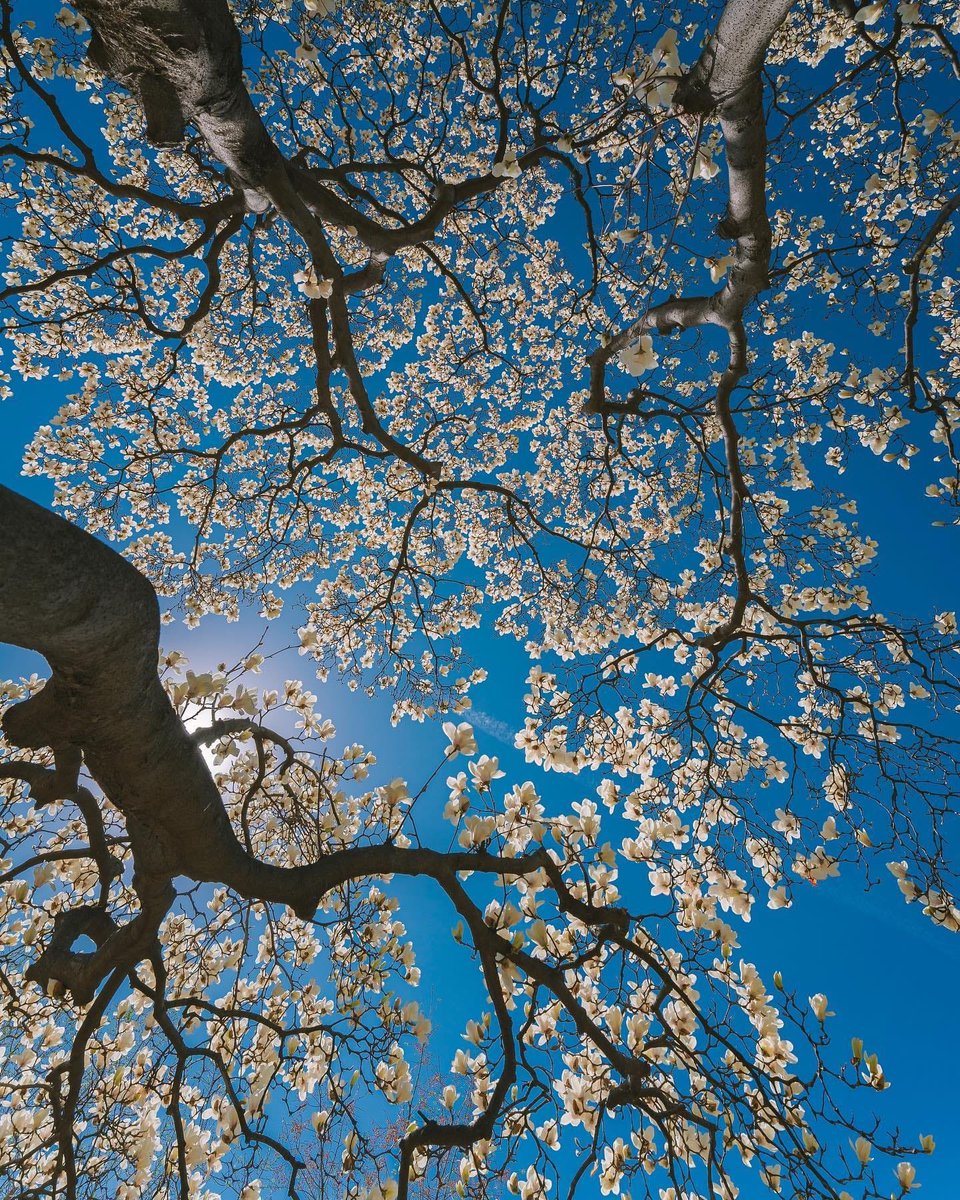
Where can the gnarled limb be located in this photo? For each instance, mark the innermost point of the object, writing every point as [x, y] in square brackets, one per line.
[118, 947]
[183, 61]
[182, 58]
[95, 618]
[725, 80]
[97, 622]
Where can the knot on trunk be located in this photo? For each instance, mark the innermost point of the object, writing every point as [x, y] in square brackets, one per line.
[61, 968]
[45, 719]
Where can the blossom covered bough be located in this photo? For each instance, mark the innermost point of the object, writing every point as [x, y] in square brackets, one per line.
[326, 331]
[569, 971]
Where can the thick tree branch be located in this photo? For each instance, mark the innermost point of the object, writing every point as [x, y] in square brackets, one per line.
[183, 60]
[726, 80]
[96, 620]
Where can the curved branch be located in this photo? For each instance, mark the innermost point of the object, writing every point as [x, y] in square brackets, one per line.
[726, 80]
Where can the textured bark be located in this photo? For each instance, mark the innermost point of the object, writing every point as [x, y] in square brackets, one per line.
[182, 58]
[96, 620]
[733, 56]
[726, 79]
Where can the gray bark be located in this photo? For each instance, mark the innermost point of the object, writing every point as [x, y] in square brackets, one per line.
[182, 58]
[733, 56]
[726, 79]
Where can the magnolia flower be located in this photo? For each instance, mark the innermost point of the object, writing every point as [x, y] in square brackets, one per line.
[874, 1073]
[787, 824]
[478, 829]
[906, 1173]
[640, 357]
[862, 1148]
[313, 288]
[72, 20]
[306, 52]
[549, 1135]
[665, 51]
[507, 167]
[819, 1005]
[535, 1186]
[664, 63]
[385, 1191]
[394, 792]
[484, 770]
[777, 898]
[718, 266]
[660, 95]
[474, 1034]
[869, 14]
[538, 933]
[704, 167]
[461, 738]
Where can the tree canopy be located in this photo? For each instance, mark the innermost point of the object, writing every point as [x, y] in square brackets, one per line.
[571, 326]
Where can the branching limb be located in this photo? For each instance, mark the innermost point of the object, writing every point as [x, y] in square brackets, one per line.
[912, 269]
[183, 61]
[725, 79]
